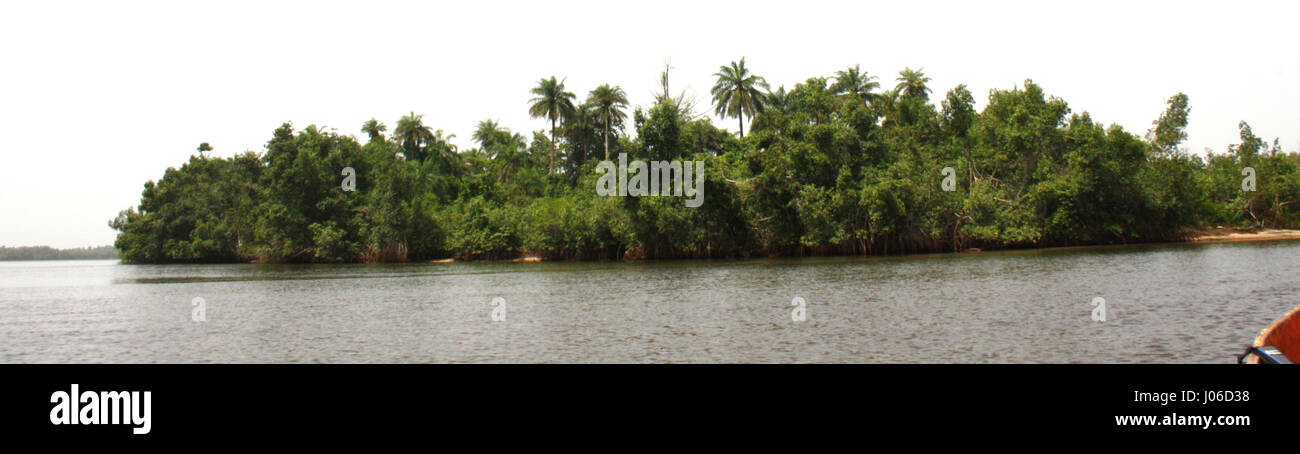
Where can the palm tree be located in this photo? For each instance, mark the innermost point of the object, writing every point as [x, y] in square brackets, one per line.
[736, 92]
[413, 135]
[513, 155]
[552, 102]
[610, 102]
[912, 83]
[441, 148]
[777, 100]
[854, 81]
[581, 135]
[487, 134]
[885, 104]
[374, 129]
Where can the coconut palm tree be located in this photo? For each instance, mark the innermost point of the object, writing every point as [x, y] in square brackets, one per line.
[912, 83]
[552, 102]
[413, 135]
[374, 129]
[488, 134]
[737, 92]
[610, 102]
[854, 81]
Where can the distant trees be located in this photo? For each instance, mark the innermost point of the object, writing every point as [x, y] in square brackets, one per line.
[1252, 184]
[49, 253]
[831, 166]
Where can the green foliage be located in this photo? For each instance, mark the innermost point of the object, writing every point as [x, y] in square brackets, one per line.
[830, 167]
[1171, 128]
[854, 82]
[1272, 203]
[198, 213]
[660, 132]
[374, 129]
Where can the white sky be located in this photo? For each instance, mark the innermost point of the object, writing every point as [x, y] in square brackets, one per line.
[98, 97]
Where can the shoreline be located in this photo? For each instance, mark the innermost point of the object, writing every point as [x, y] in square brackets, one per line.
[1244, 235]
[1211, 236]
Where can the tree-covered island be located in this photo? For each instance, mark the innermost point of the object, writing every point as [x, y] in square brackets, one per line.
[845, 164]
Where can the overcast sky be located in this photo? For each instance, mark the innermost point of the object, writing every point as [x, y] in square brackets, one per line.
[98, 97]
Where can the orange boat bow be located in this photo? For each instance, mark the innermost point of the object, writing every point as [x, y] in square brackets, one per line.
[1283, 333]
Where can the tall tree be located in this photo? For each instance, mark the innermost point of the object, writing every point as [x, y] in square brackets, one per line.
[737, 92]
[552, 102]
[913, 83]
[1171, 128]
[853, 81]
[413, 135]
[611, 102]
[488, 134]
[958, 112]
[374, 129]
[955, 121]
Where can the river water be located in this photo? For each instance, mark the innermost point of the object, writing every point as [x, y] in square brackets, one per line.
[1176, 303]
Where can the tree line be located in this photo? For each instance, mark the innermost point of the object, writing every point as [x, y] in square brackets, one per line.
[49, 253]
[835, 165]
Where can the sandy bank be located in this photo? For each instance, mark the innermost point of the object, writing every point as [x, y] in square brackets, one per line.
[529, 259]
[1238, 235]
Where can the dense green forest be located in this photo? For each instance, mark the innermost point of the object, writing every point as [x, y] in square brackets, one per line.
[49, 253]
[835, 165]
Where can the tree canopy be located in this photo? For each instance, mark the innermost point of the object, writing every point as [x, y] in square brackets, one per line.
[830, 167]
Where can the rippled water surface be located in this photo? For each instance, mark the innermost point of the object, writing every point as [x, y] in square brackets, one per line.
[1165, 303]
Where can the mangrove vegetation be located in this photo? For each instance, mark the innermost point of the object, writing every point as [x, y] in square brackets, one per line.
[849, 163]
